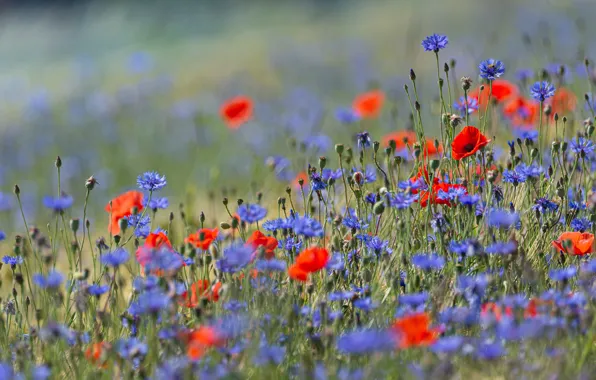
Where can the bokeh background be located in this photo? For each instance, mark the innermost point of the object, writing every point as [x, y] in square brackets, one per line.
[117, 88]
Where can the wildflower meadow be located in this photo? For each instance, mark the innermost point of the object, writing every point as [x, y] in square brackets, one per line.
[435, 226]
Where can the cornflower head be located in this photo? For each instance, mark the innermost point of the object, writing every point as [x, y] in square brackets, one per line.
[366, 341]
[235, 258]
[582, 146]
[502, 219]
[435, 42]
[156, 203]
[581, 224]
[347, 115]
[115, 258]
[13, 261]
[151, 181]
[58, 204]
[140, 224]
[514, 176]
[307, 227]
[460, 106]
[428, 262]
[52, 280]
[363, 140]
[251, 213]
[543, 205]
[491, 69]
[542, 91]
[316, 182]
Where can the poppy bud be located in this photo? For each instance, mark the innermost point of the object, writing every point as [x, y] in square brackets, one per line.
[417, 105]
[406, 88]
[388, 151]
[58, 162]
[322, 162]
[224, 225]
[466, 83]
[417, 150]
[398, 160]
[358, 178]
[339, 148]
[19, 278]
[14, 292]
[434, 164]
[376, 146]
[445, 118]
[564, 146]
[74, 224]
[590, 130]
[240, 201]
[379, 208]
[534, 153]
[446, 67]
[412, 75]
[17, 190]
[123, 224]
[547, 110]
[440, 81]
[117, 239]
[225, 201]
[452, 63]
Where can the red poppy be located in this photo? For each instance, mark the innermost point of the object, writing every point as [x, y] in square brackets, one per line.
[269, 243]
[301, 176]
[202, 238]
[402, 139]
[201, 289]
[237, 111]
[491, 308]
[430, 149]
[563, 102]
[122, 206]
[297, 273]
[579, 243]
[467, 142]
[502, 90]
[200, 340]
[414, 330]
[153, 241]
[521, 111]
[308, 261]
[433, 194]
[96, 353]
[369, 104]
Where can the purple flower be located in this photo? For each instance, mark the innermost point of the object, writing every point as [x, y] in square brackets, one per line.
[491, 69]
[52, 280]
[447, 345]
[502, 219]
[251, 213]
[413, 299]
[115, 258]
[58, 204]
[151, 181]
[272, 265]
[435, 42]
[361, 342]
[235, 258]
[428, 262]
[564, 274]
[542, 91]
[346, 116]
[270, 354]
[97, 290]
[308, 227]
[13, 261]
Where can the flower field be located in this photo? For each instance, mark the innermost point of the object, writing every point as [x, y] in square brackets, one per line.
[435, 223]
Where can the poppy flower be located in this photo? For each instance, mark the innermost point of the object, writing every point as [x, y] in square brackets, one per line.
[200, 340]
[430, 149]
[202, 238]
[269, 243]
[237, 111]
[122, 206]
[578, 243]
[297, 273]
[502, 90]
[563, 102]
[312, 259]
[521, 111]
[467, 142]
[301, 176]
[532, 310]
[402, 139]
[425, 195]
[497, 311]
[157, 240]
[96, 353]
[368, 105]
[414, 330]
[201, 289]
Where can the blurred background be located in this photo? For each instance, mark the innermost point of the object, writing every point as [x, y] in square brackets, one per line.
[118, 88]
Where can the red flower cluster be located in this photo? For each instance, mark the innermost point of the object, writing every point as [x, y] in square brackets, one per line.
[414, 330]
[202, 238]
[308, 261]
[121, 207]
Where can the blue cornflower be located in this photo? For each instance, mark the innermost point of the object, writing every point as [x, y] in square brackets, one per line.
[413, 299]
[52, 280]
[371, 198]
[363, 140]
[150, 302]
[542, 91]
[514, 176]
[469, 247]
[378, 246]
[366, 341]
[564, 274]
[97, 290]
[491, 69]
[160, 259]
[58, 204]
[318, 143]
[439, 224]
[490, 350]
[475, 285]
[524, 75]
[401, 200]
[156, 203]
[365, 304]
[40, 372]
[272, 265]
[270, 354]
[501, 248]
[435, 42]
[543, 205]
[346, 116]
[452, 194]
[308, 227]
[523, 134]
[140, 224]
[13, 261]
[532, 171]
[341, 295]
[290, 244]
[251, 213]
[336, 262]
[235, 258]
[131, 348]
[447, 345]
[351, 221]
[151, 181]
[582, 146]
[581, 224]
[502, 219]
[316, 182]
[461, 105]
[428, 262]
[278, 224]
[328, 174]
[370, 174]
[469, 200]
[235, 306]
[115, 258]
